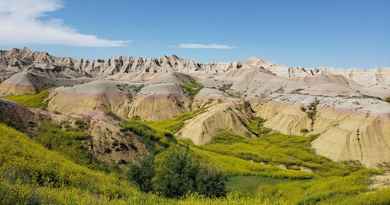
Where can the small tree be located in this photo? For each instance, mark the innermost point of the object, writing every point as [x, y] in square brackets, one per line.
[176, 173]
[311, 112]
[142, 172]
[211, 183]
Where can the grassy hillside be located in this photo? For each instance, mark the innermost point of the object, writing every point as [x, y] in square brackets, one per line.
[292, 152]
[53, 168]
[32, 174]
[33, 101]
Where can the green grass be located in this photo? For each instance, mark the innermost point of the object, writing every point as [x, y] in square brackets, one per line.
[32, 174]
[234, 166]
[155, 140]
[159, 134]
[30, 167]
[277, 149]
[191, 87]
[256, 126]
[32, 101]
[53, 167]
[71, 143]
[251, 184]
[175, 124]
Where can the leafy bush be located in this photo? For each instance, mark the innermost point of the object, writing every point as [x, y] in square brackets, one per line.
[142, 172]
[211, 183]
[176, 173]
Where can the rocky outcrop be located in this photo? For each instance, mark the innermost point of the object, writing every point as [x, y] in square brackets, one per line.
[25, 83]
[159, 101]
[112, 145]
[93, 98]
[18, 117]
[225, 116]
[348, 128]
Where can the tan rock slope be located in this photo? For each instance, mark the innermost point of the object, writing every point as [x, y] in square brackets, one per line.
[349, 129]
[94, 98]
[224, 116]
[158, 97]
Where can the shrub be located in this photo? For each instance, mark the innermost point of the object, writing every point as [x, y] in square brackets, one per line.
[311, 112]
[142, 172]
[176, 173]
[211, 183]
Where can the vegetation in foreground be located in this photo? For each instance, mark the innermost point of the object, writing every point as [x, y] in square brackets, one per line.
[53, 168]
[175, 173]
[32, 101]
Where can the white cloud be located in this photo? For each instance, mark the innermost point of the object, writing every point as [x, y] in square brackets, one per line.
[205, 46]
[26, 22]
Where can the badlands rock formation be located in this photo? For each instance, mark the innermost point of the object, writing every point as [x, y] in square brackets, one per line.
[224, 116]
[352, 118]
[17, 116]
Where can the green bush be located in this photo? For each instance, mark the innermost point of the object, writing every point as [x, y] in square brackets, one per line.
[176, 173]
[211, 183]
[142, 172]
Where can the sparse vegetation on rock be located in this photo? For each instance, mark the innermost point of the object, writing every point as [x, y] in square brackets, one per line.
[38, 100]
[256, 125]
[311, 112]
[191, 87]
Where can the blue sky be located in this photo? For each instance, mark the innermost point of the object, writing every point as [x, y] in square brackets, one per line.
[339, 33]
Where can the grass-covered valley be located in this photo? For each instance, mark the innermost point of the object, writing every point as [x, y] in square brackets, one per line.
[175, 131]
[55, 165]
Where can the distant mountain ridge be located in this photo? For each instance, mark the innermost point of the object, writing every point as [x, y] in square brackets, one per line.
[24, 58]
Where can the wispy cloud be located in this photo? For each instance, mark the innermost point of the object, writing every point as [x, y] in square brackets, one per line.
[205, 46]
[26, 22]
